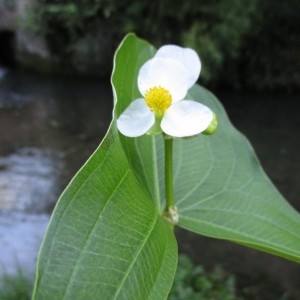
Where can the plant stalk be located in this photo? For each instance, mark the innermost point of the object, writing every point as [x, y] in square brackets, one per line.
[170, 212]
[169, 172]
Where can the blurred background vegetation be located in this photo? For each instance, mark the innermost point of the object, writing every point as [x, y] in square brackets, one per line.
[242, 44]
[191, 282]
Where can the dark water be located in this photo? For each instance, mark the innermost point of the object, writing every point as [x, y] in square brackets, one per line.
[49, 126]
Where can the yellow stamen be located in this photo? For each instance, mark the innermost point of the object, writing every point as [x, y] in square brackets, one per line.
[158, 99]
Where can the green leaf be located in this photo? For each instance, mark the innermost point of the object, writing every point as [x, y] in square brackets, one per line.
[106, 239]
[226, 193]
[221, 190]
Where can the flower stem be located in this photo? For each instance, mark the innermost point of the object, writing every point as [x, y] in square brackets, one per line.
[169, 172]
[170, 212]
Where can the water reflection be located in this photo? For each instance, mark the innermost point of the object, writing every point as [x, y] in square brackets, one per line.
[66, 116]
[29, 180]
[49, 126]
[3, 72]
[20, 239]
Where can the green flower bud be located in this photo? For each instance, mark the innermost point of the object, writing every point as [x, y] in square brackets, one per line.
[212, 127]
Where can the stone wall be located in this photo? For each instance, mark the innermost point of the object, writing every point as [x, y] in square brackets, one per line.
[28, 44]
[29, 48]
[92, 54]
[8, 16]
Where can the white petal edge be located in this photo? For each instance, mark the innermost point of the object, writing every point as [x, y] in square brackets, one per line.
[186, 56]
[186, 118]
[167, 73]
[136, 120]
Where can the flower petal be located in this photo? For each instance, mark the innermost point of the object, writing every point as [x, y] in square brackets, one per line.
[186, 56]
[136, 120]
[167, 73]
[186, 118]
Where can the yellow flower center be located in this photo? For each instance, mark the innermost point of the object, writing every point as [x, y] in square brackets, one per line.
[158, 99]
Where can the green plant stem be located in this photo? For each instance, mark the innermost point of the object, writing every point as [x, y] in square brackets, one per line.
[169, 172]
[170, 212]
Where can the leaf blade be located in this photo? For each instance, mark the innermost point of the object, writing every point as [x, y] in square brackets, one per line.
[235, 200]
[104, 235]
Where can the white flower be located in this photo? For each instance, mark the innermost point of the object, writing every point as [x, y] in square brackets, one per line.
[163, 82]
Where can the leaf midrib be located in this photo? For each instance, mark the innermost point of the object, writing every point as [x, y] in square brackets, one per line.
[138, 253]
[91, 231]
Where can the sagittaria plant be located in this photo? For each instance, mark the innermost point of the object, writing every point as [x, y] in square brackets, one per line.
[164, 81]
[111, 235]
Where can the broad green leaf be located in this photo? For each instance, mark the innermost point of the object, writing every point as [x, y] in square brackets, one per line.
[221, 191]
[106, 239]
[229, 195]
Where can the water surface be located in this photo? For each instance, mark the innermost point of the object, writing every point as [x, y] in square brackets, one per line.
[49, 126]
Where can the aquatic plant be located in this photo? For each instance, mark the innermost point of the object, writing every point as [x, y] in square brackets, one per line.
[111, 235]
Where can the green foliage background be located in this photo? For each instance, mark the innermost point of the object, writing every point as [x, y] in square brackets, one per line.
[241, 43]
